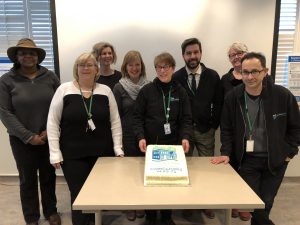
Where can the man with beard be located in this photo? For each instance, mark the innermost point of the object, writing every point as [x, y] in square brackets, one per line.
[203, 87]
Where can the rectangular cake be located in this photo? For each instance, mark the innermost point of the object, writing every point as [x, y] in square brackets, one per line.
[165, 165]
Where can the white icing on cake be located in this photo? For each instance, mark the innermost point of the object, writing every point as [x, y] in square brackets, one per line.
[165, 165]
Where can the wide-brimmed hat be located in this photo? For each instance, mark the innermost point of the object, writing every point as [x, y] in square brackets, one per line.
[25, 43]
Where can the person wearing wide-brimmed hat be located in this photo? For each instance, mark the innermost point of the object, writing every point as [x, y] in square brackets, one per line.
[25, 96]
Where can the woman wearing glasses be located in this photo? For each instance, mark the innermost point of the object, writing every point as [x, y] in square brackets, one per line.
[234, 77]
[162, 116]
[83, 124]
[25, 95]
[106, 55]
[228, 81]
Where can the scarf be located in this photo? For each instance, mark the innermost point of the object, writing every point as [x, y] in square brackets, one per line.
[132, 88]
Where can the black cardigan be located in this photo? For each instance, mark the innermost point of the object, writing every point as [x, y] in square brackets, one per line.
[206, 104]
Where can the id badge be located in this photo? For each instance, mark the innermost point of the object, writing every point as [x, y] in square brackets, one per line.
[167, 128]
[91, 124]
[250, 146]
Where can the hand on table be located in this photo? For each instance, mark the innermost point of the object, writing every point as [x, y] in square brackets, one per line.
[220, 159]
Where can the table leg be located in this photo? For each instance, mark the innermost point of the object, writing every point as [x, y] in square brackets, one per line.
[228, 216]
[98, 218]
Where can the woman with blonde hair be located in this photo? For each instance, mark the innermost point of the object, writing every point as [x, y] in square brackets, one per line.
[126, 91]
[83, 124]
[106, 55]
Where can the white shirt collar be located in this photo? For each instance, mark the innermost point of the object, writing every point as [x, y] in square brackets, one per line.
[198, 72]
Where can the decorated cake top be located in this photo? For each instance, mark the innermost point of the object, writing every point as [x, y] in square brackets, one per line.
[165, 165]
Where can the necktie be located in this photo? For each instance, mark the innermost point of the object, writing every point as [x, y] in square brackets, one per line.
[194, 83]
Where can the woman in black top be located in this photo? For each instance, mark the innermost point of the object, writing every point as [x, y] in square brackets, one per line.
[83, 124]
[228, 81]
[162, 116]
[234, 77]
[106, 55]
[126, 91]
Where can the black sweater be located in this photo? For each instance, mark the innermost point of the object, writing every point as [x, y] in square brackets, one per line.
[126, 108]
[110, 80]
[206, 104]
[228, 82]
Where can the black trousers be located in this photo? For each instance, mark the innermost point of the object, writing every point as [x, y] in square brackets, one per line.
[151, 215]
[29, 160]
[255, 172]
[76, 172]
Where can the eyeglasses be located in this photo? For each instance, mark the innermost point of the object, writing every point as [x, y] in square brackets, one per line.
[254, 73]
[165, 68]
[82, 65]
[237, 54]
[24, 53]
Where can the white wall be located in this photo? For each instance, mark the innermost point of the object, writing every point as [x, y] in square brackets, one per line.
[7, 163]
[156, 26]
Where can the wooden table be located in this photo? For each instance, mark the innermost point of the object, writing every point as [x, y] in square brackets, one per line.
[117, 184]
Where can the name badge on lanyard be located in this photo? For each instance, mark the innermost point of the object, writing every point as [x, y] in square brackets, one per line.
[90, 123]
[250, 146]
[167, 128]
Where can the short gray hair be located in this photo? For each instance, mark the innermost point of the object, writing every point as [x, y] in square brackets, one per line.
[238, 46]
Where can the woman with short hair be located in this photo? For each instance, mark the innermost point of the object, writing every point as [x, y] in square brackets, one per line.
[162, 116]
[233, 77]
[83, 124]
[230, 80]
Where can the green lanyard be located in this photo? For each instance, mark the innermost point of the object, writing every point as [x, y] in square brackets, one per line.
[250, 123]
[88, 111]
[167, 109]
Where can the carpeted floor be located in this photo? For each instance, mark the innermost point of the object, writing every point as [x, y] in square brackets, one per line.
[285, 211]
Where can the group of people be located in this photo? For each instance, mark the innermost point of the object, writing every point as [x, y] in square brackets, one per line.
[105, 112]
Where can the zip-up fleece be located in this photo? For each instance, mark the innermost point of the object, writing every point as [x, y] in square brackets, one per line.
[24, 102]
[282, 124]
[149, 116]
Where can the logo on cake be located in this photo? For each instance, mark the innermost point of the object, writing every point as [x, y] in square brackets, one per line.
[164, 154]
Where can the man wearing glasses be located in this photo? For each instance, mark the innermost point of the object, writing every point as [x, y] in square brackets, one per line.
[203, 88]
[260, 125]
